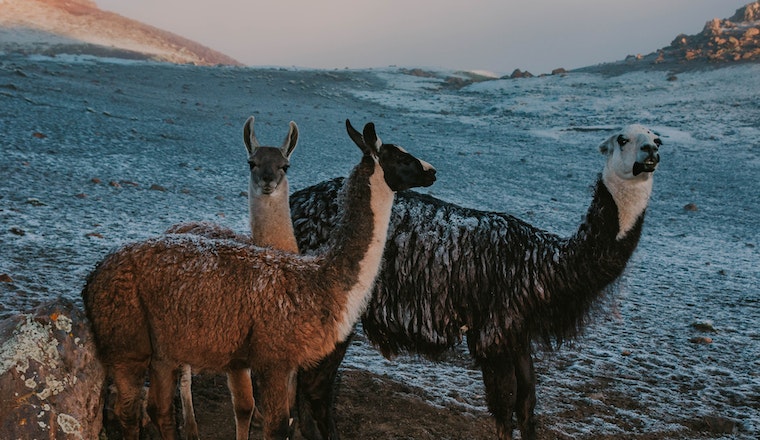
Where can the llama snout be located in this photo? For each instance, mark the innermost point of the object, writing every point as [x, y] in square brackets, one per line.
[429, 176]
[267, 186]
[650, 161]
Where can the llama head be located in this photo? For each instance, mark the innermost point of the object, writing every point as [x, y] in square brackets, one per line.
[632, 153]
[632, 156]
[401, 169]
[269, 165]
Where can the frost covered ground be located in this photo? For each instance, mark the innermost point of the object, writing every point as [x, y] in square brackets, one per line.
[95, 154]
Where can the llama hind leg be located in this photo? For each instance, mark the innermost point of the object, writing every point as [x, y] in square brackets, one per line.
[316, 396]
[500, 383]
[129, 379]
[163, 383]
[275, 401]
[241, 387]
[526, 393]
[186, 395]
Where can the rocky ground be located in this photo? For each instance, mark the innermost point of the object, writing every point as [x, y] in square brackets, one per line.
[369, 406]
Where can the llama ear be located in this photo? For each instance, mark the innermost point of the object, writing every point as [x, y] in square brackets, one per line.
[291, 140]
[249, 137]
[370, 138]
[608, 146]
[356, 136]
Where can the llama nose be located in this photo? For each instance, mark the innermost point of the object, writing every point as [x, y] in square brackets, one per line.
[648, 148]
[652, 152]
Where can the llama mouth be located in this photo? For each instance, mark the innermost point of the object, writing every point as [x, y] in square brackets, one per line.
[429, 178]
[648, 166]
[428, 181]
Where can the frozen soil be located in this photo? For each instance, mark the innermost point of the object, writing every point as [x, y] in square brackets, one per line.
[97, 153]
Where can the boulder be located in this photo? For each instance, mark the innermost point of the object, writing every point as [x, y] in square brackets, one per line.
[517, 73]
[51, 384]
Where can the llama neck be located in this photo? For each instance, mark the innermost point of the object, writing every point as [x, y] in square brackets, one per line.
[353, 261]
[587, 264]
[631, 197]
[608, 236]
[270, 222]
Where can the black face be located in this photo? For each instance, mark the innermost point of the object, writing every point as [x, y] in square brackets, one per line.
[402, 170]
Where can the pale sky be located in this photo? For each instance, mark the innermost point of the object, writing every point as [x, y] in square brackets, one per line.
[494, 35]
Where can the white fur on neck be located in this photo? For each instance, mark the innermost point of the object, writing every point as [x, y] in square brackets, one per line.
[631, 197]
[381, 203]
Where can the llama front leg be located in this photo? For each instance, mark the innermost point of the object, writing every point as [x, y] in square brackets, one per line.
[275, 401]
[129, 379]
[316, 396]
[241, 387]
[500, 383]
[163, 383]
[525, 375]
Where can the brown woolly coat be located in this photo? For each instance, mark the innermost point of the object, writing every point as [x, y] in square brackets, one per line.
[219, 304]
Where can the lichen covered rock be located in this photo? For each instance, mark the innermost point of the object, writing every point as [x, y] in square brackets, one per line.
[50, 380]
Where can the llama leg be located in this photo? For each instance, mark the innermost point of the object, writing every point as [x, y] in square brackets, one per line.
[257, 420]
[316, 396]
[129, 380]
[292, 388]
[500, 382]
[241, 388]
[163, 383]
[526, 393]
[186, 394]
[275, 399]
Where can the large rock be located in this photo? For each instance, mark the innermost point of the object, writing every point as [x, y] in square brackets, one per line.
[50, 380]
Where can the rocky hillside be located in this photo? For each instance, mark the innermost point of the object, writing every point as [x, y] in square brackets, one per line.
[80, 27]
[722, 42]
[729, 40]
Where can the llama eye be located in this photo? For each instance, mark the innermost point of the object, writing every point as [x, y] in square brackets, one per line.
[252, 164]
[285, 168]
[622, 140]
[657, 141]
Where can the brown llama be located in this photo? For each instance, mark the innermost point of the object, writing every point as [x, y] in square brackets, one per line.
[222, 305]
[269, 209]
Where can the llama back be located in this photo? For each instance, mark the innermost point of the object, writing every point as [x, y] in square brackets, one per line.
[208, 230]
[315, 211]
[440, 260]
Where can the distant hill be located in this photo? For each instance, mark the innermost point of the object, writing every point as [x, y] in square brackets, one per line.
[80, 27]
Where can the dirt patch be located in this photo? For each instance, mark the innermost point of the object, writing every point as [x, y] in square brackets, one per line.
[368, 407]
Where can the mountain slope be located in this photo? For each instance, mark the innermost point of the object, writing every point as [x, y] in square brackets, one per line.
[79, 26]
[722, 42]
